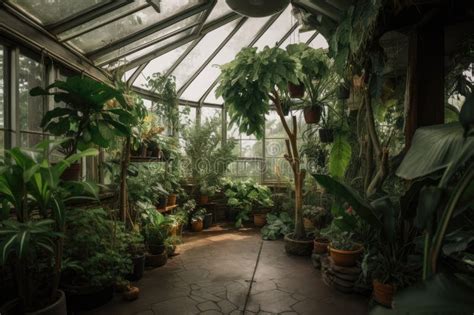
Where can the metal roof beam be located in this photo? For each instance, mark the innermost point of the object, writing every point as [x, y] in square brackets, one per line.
[320, 7]
[136, 73]
[85, 16]
[147, 31]
[163, 50]
[209, 59]
[312, 37]
[260, 33]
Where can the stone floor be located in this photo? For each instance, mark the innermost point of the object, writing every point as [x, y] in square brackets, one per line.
[213, 273]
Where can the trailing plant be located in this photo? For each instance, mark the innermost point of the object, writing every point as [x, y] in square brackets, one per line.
[245, 196]
[278, 225]
[32, 191]
[95, 114]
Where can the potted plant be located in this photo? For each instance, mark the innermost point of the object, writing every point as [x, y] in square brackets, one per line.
[316, 76]
[321, 244]
[248, 101]
[296, 90]
[244, 196]
[343, 250]
[206, 191]
[136, 250]
[96, 258]
[94, 115]
[315, 217]
[155, 229]
[278, 225]
[33, 192]
[173, 185]
[197, 218]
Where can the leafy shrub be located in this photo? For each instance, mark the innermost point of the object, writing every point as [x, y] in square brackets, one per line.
[277, 226]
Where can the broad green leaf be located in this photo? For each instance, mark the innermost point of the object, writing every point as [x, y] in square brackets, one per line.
[340, 156]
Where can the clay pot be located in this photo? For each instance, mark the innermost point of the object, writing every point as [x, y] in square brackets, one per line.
[203, 200]
[57, 308]
[131, 294]
[298, 247]
[156, 260]
[326, 135]
[172, 200]
[312, 115]
[383, 293]
[308, 224]
[296, 91]
[260, 219]
[72, 173]
[197, 225]
[345, 258]
[321, 245]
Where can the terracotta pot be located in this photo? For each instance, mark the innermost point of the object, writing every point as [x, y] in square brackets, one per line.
[172, 200]
[296, 91]
[260, 219]
[308, 224]
[57, 308]
[383, 293]
[321, 245]
[203, 200]
[72, 173]
[155, 261]
[197, 225]
[131, 294]
[298, 247]
[312, 115]
[326, 135]
[345, 258]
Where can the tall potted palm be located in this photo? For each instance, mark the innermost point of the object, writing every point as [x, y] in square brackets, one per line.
[33, 192]
[93, 115]
[248, 85]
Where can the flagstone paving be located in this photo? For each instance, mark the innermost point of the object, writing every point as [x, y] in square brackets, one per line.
[212, 275]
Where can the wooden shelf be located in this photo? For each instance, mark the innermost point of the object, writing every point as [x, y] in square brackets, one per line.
[166, 209]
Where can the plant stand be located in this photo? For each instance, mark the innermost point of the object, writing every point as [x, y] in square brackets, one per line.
[340, 278]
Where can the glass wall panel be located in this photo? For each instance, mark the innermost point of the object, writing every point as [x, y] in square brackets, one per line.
[241, 39]
[319, 42]
[51, 11]
[201, 52]
[208, 113]
[212, 99]
[160, 64]
[220, 9]
[278, 29]
[31, 111]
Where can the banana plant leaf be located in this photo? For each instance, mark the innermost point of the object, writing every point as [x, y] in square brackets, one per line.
[432, 149]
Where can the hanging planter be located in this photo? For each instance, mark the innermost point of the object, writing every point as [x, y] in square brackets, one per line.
[312, 115]
[343, 92]
[296, 91]
[326, 135]
[259, 8]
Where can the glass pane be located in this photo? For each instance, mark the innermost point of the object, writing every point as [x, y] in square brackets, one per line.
[208, 113]
[31, 108]
[128, 74]
[277, 170]
[277, 30]
[51, 11]
[160, 64]
[130, 24]
[275, 148]
[219, 10]
[212, 99]
[241, 39]
[102, 20]
[319, 42]
[29, 140]
[201, 52]
[251, 148]
[160, 37]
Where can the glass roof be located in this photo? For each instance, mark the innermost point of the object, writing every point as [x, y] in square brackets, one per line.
[187, 39]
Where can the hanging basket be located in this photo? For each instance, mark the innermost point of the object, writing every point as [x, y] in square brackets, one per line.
[296, 91]
[343, 92]
[312, 115]
[326, 135]
[259, 8]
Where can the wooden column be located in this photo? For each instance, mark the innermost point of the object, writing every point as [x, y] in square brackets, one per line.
[424, 95]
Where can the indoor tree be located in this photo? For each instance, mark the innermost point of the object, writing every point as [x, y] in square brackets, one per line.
[248, 84]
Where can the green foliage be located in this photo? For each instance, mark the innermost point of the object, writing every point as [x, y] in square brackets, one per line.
[247, 81]
[340, 156]
[199, 214]
[97, 245]
[167, 105]
[318, 215]
[244, 196]
[145, 183]
[207, 155]
[278, 225]
[155, 226]
[95, 113]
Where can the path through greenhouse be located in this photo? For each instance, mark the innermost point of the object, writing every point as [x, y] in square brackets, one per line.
[213, 275]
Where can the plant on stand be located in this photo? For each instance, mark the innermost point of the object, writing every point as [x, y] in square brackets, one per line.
[94, 115]
[32, 191]
[197, 220]
[248, 84]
